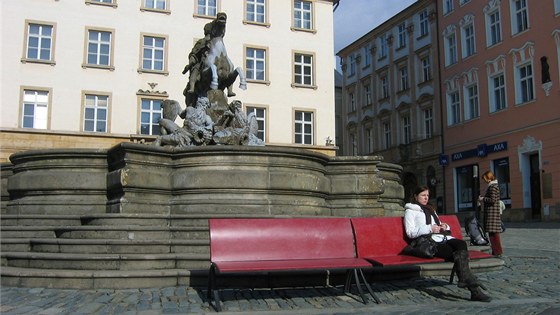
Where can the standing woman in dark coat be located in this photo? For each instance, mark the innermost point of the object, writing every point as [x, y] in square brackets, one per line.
[492, 217]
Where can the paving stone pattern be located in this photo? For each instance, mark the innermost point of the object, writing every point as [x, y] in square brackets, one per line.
[528, 284]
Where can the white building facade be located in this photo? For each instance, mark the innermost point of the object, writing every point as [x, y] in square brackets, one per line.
[93, 73]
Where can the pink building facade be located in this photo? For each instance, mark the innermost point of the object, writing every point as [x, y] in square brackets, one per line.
[500, 91]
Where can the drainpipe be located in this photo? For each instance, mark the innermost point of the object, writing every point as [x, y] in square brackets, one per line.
[439, 82]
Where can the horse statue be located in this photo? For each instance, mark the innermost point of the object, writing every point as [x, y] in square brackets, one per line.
[209, 64]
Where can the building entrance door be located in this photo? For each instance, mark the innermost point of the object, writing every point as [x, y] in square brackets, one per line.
[535, 186]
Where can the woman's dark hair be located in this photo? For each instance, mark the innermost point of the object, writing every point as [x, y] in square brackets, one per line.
[416, 192]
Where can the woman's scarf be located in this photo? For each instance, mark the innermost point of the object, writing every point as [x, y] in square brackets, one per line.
[429, 212]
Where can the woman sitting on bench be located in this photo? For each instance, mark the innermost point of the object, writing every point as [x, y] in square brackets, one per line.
[420, 218]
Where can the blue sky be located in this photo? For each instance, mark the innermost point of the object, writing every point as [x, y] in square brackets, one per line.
[354, 18]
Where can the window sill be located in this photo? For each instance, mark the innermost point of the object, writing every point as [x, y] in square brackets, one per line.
[494, 44]
[165, 73]
[381, 58]
[110, 68]
[113, 5]
[39, 61]
[422, 36]
[155, 10]
[304, 86]
[265, 24]
[304, 30]
[209, 17]
[425, 83]
[526, 102]
[263, 82]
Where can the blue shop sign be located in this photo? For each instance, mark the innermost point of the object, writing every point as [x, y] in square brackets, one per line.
[481, 150]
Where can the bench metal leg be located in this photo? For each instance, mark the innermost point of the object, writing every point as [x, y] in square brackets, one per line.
[359, 286]
[452, 276]
[213, 290]
[368, 287]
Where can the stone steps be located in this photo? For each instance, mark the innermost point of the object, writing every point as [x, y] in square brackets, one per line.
[104, 246]
[87, 261]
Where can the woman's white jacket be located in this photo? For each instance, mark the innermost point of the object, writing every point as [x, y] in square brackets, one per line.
[415, 223]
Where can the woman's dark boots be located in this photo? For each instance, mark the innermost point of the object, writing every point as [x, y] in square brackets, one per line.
[466, 278]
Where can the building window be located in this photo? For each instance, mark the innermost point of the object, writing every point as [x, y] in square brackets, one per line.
[153, 53]
[369, 140]
[556, 7]
[95, 112]
[519, 16]
[463, 2]
[493, 28]
[403, 78]
[367, 94]
[497, 93]
[40, 40]
[303, 69]
[402, 35]
[35, 109]
[352, 104]
[447, 6]
[469, 47]
[255, 11]
[383, 46]
[207, 7]
[150, 115]
[525, 90]
[501, 170]
[260, 115]
[424, 23]
[352, 64]
[426, 69]
[453, 109]
[472, 108]
[450, 49]
[155, 4]
[255, 64]
[303, 15]
[386, 135]
[384, 87]
[303, 127]
[407, 130]
[353, 145]
[428, 123]
[99, 48]
[465, 183]
[366, 52]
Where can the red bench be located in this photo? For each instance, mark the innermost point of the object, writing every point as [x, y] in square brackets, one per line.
[381, 240]
[294, 244]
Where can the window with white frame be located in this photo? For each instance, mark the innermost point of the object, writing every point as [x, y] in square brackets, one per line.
[260, 116]
[453, 108]
[472, 109]
[426, 69]
[383, 48]
[40, 40]
[406, 130]
[497, 93]
[384, 86]
[255, 64]
[424, 23]
[150, 114]
[303, 15]
[386, 135]
[401, 35]
[207, 7]
[99, 48]
[303, 69]
[303, 127]
[450, 49]
[493, 23]
[403, 78]
[352, 102]
[525, 91]
[519, 16]
[367, 94]
[155, 4]
[469, 47]
[463, 2]
[428, 123]
[96, 109]
[447, 6]
[255, 11]
[556, 7]
[35, 109]
[366, 52]
[153, 53]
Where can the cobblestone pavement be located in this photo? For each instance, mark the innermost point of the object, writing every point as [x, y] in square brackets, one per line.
[528, 284]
